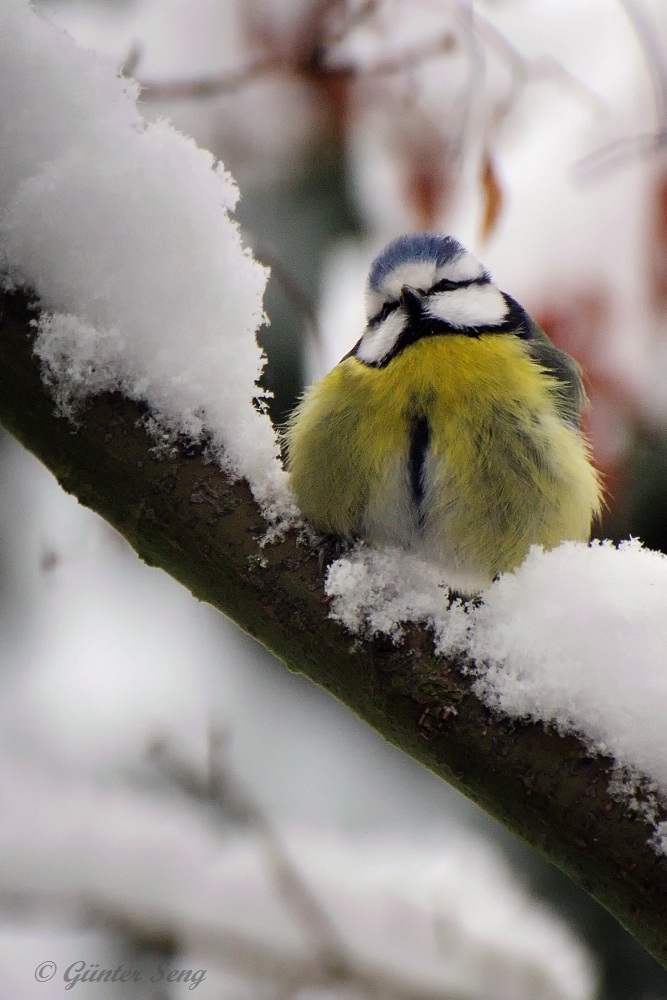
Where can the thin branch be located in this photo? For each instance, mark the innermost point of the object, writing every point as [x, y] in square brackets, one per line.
[214, 86]
[628, 150]
[162, 929]
[653, 57]
[524, 70]
[618, 154]
[222, 789]
[442, 44]
[315, 66]
[365, 11]
[333, 964]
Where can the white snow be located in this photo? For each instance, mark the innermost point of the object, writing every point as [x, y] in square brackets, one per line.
[123, 229]
[430, 916]
[374, 590]
[578, 636]
[575, 637]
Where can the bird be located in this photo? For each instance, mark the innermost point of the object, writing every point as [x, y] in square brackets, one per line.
[450, 429]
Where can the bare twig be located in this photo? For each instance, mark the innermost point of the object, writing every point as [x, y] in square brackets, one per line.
[160, 930]
[619, 154]
[653, 57]
[409, 59]
[214, 86]
[222, 789]
[315, 66]
[632, 148]
[525, 70]
[364, 12]
[166, 931]
[331, 964]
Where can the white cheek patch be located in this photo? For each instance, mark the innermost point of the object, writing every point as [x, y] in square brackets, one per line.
[465, 267]
[377, 343]
[374, 302]
[475, 305]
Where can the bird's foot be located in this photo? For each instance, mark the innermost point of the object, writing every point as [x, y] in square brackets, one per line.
[330, 548]
[467, 600]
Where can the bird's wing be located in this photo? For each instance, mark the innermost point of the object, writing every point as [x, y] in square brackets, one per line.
[565, 370]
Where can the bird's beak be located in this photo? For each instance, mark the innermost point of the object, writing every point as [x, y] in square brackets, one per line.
[411, 300]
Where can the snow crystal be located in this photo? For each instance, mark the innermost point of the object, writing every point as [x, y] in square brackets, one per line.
[373, 590]
[575, 637]
[122, 228]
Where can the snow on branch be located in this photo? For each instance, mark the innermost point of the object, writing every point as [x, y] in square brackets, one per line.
[123, 229]
[575, 637]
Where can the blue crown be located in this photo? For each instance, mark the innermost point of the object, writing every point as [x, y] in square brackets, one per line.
[414, 246]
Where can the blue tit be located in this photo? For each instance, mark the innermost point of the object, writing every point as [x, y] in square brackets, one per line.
[451, 429]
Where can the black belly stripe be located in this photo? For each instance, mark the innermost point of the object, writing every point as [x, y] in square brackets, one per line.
[419, 438]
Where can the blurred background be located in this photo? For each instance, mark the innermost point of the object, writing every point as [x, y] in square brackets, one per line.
[172, 797]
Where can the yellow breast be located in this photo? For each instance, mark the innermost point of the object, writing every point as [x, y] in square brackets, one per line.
[503, 470]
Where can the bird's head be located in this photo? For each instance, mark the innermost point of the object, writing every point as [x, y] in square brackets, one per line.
[426, 281]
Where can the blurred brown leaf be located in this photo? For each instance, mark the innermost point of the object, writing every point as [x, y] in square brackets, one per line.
[658, 250]
[493, 197]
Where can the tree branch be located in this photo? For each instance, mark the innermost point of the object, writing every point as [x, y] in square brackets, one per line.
[184, 515]
[313, 65]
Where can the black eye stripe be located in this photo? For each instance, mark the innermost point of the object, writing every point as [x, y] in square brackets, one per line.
[516, 323]
[444, 285]
[447, 285]
[387, 309]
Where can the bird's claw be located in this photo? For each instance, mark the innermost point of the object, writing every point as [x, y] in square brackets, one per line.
[330, 548]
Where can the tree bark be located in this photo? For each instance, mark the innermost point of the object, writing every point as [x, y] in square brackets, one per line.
[184, 515]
